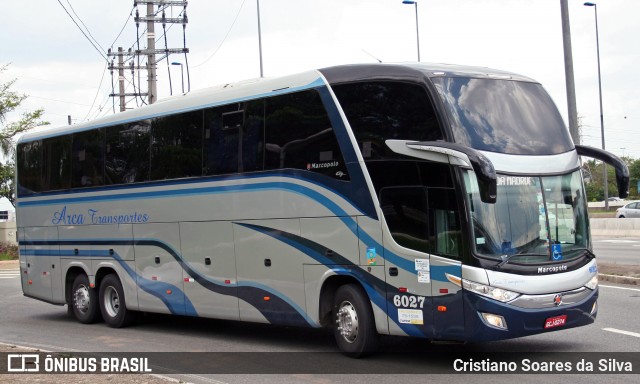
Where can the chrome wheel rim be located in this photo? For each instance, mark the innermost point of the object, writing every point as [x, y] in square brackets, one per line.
[81, 299]
[347, 320]
[111, 301]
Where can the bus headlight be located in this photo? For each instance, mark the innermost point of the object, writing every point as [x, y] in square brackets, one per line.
[593, 283]
[499, 294]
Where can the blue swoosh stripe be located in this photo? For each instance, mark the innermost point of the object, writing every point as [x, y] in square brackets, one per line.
[247, 291]
[173, 302]
[375, 288]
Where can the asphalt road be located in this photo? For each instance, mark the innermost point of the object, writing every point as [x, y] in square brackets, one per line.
[617, 250]
[28, 322]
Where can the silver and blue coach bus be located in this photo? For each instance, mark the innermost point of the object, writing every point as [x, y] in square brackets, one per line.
[434, 201]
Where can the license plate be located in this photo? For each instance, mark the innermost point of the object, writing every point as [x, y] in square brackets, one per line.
[557, 321]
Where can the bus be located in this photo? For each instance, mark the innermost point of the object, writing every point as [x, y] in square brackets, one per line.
[441, 202]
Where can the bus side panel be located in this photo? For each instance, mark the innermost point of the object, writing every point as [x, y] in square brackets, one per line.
[370, 235]
[270, 277]
[159, 268]
[101, 246]
[371, 281]
[24, 271]
[43, 264]
[448, 317]
[337, 237]
[208, 250]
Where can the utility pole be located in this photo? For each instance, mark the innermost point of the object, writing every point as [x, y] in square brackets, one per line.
[572, 110]
[152, 51]
[152, 85]
[121, 79]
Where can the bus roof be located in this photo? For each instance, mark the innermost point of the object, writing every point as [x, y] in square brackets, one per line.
[263, 87]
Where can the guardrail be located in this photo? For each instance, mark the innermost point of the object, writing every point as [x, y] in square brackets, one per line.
[615, 227]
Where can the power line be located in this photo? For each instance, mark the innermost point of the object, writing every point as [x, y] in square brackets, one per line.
[123, 27]
[98, 92]
[85, 35]
[84, 25]
[225, 37]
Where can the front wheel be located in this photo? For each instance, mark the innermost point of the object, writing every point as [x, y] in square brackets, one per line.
[354, 324]
[84, 301]
[112, 303]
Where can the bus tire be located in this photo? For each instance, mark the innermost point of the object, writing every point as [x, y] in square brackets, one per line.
[353, 323]
[84, 300]
[113, 304]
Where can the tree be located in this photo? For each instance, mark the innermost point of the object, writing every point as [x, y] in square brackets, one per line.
[9, 101]
[592, 171]
[634, 175]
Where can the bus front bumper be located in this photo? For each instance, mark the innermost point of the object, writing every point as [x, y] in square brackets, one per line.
[492, 320]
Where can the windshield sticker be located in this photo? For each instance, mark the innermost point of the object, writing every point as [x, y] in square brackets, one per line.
[556, 250]
[511, 180]
[371, 256]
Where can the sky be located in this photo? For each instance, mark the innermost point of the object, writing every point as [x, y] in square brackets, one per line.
[56, 65]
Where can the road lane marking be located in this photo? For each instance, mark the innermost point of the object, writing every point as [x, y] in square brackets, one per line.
[616, 241]
[627, 333]
[624, 288]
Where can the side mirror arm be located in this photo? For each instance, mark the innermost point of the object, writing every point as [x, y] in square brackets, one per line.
[622, 171]
[482, 166]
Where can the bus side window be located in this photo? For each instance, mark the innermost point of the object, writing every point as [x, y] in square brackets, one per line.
[445, 227]
[176, 150]
[88, 159]
[127, 153]
[299, 135]
[56, 163]
[405, 211]
[234, 138]
[29, 167]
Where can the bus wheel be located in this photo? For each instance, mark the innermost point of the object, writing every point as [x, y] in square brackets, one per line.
[354, 324]
[84, 300]
[112, 303]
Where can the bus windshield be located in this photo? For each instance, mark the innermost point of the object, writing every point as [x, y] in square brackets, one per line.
[541, 219]
[503, 116]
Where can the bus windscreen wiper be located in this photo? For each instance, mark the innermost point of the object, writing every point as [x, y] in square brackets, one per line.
[506, 259]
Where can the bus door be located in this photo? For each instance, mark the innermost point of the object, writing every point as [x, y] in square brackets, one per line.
[425, 220]
[446, 266]
[43, 262]
[405, 209]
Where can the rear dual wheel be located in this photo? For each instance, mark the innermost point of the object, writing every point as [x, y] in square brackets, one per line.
[113, 303]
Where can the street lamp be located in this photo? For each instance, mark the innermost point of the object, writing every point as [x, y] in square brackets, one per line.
[417, 33]
[604, 165]
[181, 73]
[259, 38]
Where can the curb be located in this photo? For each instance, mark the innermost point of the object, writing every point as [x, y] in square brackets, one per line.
[627, 280]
